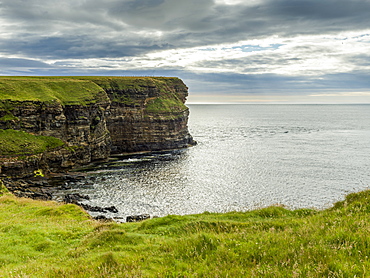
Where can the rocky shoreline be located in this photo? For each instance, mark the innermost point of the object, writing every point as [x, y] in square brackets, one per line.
[71, 122]
[44, 188]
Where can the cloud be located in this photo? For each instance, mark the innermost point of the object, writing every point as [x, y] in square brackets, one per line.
[96, 25]
[255, 46]
[21, 63]
[191, 15]
[274, 84]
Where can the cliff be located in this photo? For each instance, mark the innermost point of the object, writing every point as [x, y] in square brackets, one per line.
[146, 114]
[91, 116]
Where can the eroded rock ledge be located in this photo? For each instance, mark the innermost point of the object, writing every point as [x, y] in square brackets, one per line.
[94, 117]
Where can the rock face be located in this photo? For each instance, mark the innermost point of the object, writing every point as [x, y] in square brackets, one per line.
[83, 128]
[94, 116]
[39, 107]
[148, 115]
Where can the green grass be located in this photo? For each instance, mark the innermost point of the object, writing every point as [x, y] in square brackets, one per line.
[8, 117]
[167, 102]
[67, 91]
[133, 83]
[13, 142]
[82, 90]
[45, 239]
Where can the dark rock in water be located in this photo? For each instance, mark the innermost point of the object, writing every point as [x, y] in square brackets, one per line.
[102, 218]
[112, 209]
[137, 218]
[74, 198]
[91, 208]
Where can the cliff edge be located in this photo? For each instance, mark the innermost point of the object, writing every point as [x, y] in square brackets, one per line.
[87, 119]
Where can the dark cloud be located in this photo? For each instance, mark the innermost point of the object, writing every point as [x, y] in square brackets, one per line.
[92, 28]
[191, 15]
[321, 10]
[80, 47]
[63, 32]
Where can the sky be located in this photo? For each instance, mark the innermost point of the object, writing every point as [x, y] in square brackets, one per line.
[226, 51]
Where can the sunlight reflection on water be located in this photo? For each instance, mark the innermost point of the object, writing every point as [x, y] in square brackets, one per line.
[248, 156]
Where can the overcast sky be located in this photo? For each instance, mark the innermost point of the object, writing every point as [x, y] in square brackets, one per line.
[224, 50]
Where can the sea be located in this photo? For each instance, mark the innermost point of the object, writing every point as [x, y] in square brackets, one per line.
[247, 157]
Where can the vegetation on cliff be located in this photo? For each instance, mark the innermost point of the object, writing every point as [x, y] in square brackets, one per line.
[166, 94]
[67, 91]
[93, 112]
[163, 92]
[88, 89]
[165, 104]
[169, 100]
[45, 239]
[15, 143]
[135, 83]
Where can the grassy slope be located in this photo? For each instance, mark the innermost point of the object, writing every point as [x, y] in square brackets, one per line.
[14, 142]
[44, 239]
[88, 89]
[45, 89]
[168, 101]
[135, 83]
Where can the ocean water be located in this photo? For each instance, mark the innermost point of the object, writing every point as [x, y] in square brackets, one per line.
[247, 157]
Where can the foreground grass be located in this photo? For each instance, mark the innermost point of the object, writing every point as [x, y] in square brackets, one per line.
[45, 239]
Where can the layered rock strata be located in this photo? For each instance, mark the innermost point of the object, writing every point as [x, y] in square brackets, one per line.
[93, 116]
[43, 107]
[147, 115]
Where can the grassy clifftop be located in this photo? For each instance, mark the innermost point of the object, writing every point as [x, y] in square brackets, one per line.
[90, 89]
[134, 83]
[123, 90]
[65, 90]
[45, 239]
